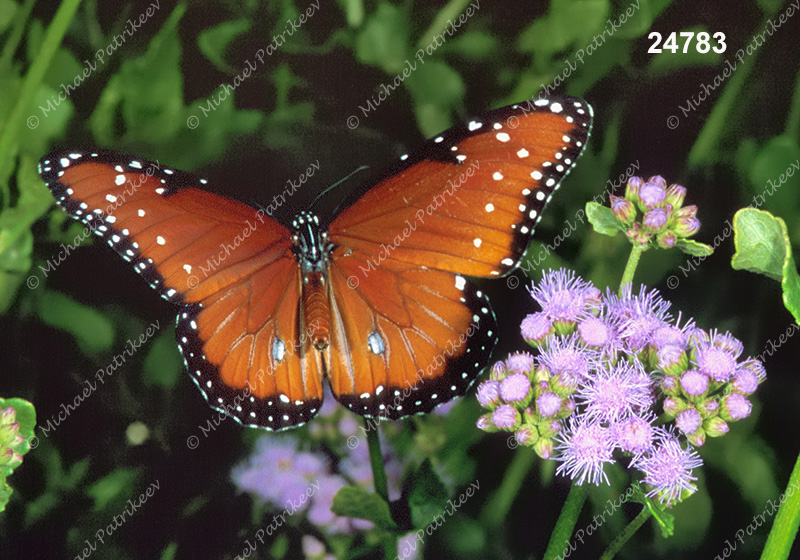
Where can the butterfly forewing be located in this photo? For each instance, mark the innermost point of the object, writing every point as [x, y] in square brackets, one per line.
[468, 200]
[230, 266]
[187, 242]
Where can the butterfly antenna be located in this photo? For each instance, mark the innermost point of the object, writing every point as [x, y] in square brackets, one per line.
[336, 184]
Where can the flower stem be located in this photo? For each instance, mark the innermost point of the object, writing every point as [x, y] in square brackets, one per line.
[381, 486]
[630, 268]
[562, 532]
[783, 532]
[376, 460]
[496, 509]
[626, 534]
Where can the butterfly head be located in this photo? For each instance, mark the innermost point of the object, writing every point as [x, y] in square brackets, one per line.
[311, 244]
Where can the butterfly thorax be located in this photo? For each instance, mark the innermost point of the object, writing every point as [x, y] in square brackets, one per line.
[312, 250]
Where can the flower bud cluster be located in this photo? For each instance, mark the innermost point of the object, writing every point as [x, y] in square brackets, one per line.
[653, 213]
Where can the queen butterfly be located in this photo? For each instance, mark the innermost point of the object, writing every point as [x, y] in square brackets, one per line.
[375, 302]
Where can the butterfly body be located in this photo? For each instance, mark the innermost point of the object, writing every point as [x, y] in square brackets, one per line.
[313, 253]
[376, 302]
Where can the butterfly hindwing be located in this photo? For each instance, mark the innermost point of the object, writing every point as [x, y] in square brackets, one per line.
[407, 340]
[245, 352]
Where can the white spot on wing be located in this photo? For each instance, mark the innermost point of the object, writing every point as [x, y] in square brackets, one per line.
[375, 342]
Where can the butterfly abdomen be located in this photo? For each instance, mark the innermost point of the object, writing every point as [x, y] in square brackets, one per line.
[316, 310]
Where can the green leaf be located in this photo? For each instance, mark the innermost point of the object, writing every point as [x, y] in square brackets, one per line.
[114, 485]
[14, 263]
[92, 330]
[384, 40]
[762, 246]
[16, 239]
[147, 92]
[34, 196]
[475, 45]
[791, 287]
[664, 519]
[774, 176]
[694, 248]
[602, 219]
[8, 9]
[214, 41]
[568, 23]
[761, 243]
[437, 90]
[58, 482]
[353, 11]
[633, 22]
[163, 365]
[170, 551]
[351, 501]
[427, 497]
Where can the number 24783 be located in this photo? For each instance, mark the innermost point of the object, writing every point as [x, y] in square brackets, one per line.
[702, 42]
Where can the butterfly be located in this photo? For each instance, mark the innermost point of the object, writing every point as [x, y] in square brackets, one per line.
[375, 300]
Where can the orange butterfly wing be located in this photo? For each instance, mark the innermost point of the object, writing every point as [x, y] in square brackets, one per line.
[407, 340]
[468, 200]
[238, 328]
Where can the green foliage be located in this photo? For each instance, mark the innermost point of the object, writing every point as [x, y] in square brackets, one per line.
[763, 247]
[603, 220]
[427, 496]
[92, 330]
[694, 248]
[215, 41]
[352, 501]
[162, 366]
[109, 488]
[383, 41]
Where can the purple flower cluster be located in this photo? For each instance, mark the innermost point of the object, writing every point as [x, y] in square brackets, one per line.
[606, 365]
[663, 219]
[282, 475]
